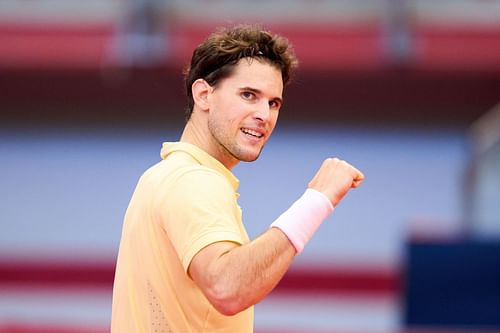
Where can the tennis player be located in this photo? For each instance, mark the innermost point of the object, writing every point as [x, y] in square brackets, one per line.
[185, 262]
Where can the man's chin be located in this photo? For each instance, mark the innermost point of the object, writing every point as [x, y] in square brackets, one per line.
[249, 154]
[250, 157]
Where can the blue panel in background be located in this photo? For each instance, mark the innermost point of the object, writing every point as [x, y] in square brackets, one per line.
[453, 284]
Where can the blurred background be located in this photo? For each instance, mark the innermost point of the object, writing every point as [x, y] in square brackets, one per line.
[405, 90]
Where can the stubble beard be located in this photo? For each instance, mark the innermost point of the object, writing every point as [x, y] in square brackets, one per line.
[229, 146]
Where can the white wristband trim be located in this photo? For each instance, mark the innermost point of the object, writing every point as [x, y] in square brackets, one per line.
[303, 218]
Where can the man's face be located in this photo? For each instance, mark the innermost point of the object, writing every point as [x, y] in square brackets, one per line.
[243, 111]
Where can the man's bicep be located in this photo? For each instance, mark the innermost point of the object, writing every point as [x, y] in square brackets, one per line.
[203, 267]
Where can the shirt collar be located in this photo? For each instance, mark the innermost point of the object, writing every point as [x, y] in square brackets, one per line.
[201, 157]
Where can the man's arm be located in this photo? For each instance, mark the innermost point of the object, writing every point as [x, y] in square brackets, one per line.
[234, 277]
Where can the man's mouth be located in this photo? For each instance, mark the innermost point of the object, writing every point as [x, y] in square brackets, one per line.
[253, 133]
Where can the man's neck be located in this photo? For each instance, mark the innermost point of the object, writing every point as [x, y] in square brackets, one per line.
[197, 133]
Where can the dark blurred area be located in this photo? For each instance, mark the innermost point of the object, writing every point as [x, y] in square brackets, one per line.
[453, 284]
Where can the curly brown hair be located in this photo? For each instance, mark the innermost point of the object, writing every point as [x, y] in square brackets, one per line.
[215, 58]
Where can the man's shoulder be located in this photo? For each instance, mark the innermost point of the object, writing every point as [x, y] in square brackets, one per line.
[199, 175]
[194, 184]
[181, 168]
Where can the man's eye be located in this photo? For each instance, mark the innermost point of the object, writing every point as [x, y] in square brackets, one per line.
[274, 105]
[248, 95]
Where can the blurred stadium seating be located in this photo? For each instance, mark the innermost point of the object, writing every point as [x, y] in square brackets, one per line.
[441, 60]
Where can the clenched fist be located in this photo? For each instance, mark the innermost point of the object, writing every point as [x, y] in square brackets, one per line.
[335, 178]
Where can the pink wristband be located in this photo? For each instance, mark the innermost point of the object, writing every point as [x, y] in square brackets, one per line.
[303, 218]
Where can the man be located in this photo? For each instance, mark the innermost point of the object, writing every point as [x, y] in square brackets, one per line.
[185, 262]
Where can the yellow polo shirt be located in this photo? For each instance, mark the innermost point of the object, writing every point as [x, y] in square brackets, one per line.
[180, 205]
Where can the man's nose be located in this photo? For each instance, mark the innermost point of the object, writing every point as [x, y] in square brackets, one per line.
[263, 111]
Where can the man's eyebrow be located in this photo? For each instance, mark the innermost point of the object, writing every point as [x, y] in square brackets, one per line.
[257, 91]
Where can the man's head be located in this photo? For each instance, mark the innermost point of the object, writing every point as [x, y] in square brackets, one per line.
[215, 59]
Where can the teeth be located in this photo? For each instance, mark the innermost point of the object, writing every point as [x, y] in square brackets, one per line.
[251, 132]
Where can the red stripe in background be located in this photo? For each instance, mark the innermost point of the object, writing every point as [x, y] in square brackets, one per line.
[343, 280]
[59, 274]
[328, 46]
[53, 45]
[56, 274]
[27, 328]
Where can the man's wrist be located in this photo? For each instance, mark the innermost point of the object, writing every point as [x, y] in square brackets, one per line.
[303, 218]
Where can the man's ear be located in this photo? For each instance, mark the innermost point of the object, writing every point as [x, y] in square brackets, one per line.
[201, 89]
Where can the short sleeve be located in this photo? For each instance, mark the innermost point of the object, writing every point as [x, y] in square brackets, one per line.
[197, 209]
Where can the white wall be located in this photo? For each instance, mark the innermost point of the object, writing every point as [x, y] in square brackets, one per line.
[64, 192]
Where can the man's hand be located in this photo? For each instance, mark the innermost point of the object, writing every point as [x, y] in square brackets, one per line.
[335, 178]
